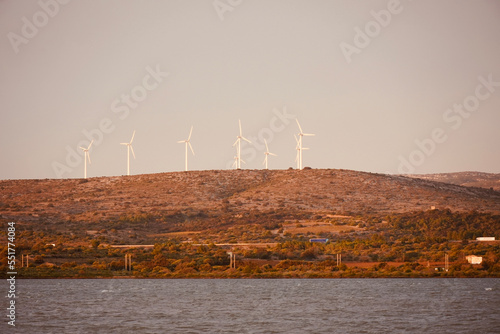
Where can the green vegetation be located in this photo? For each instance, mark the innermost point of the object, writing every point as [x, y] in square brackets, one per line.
[399, 245]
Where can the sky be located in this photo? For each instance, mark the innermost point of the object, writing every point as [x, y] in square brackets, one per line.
[385, 86]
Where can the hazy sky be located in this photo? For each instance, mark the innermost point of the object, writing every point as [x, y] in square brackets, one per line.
[378, 82]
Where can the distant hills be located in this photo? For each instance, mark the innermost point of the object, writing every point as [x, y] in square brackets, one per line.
[468, 179]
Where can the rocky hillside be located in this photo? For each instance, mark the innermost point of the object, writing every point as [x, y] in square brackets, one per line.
[232, 193]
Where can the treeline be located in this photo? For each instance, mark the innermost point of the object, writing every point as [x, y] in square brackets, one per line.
[373, 257]
[399, 245]
[445, 225]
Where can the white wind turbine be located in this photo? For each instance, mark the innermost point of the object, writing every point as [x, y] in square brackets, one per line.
[235, 163]
[297, 148]
[238, 148]
[129, 148]
[187, 144]
[267, 153]
[87, 156]
[301, 134]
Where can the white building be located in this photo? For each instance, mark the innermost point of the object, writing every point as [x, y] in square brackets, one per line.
[485, 238]
[472, 259]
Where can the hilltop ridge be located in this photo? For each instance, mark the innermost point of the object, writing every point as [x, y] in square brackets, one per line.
[205, 192]
[468, 179]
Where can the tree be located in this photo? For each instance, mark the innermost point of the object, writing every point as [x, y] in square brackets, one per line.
[95, 243]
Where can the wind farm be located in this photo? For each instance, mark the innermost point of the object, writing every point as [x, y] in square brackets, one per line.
[238, 160]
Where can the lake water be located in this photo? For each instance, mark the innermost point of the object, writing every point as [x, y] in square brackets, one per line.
[257, 306]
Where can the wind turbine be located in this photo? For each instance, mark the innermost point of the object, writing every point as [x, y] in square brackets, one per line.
[238, 148]
[235, 163]
[297, 148]
[187, 144]
[87, 156]
[129, 148]
[301, 134]
[267, 153]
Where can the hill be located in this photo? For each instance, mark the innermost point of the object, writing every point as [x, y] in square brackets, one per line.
[467, 179]
[182, 224]
[216, 192]
[201, 200]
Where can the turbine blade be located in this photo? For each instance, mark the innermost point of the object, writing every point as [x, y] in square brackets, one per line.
[272, 154]
[236, 142]
[132, 149]
[90, 144]
[181, 141]
[299, 125]
[296, 139]
[131, 140]
[246, 140]
[308, 134]
[190, 133]
[191, 147]
[243, 161]
[83, 148]
[88, 156]
[123, 143]
[267, 148]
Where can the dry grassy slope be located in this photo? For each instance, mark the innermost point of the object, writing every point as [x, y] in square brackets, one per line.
[359, 192]
[468, 179]
[213, 192]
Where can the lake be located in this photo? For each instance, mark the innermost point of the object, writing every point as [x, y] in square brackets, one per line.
[257, 306]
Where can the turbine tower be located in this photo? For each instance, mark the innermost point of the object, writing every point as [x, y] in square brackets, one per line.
[297, 148]
[238, 148]
[87, 156]
[267, 153]
[301, 134]
[129, 148]
[187, 144]
[235, 163]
